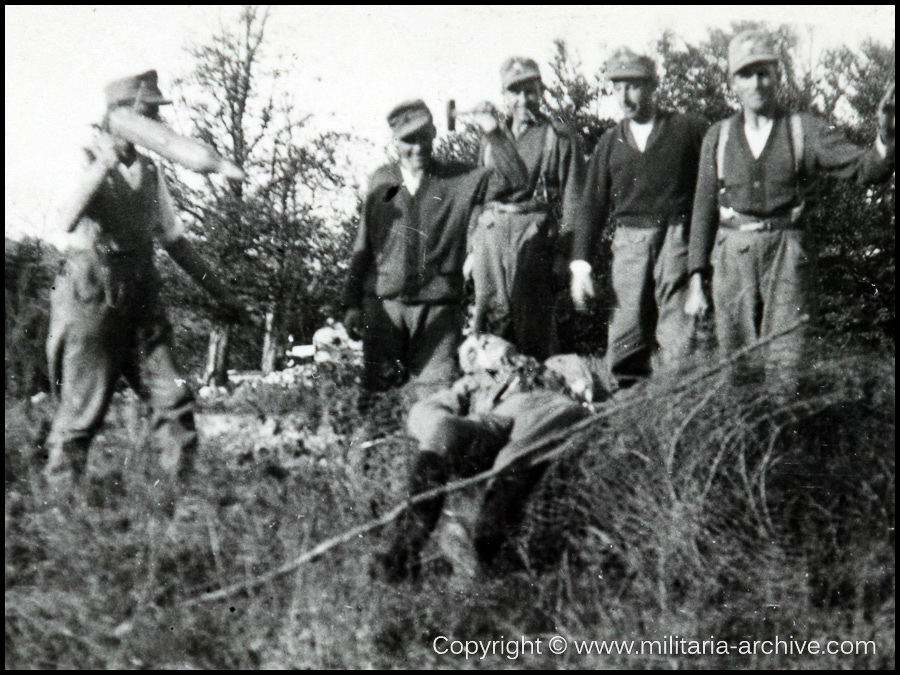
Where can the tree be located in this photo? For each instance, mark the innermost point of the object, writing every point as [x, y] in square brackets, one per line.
[574, 98]
[852, 84]
[856, 225]
[274, 229]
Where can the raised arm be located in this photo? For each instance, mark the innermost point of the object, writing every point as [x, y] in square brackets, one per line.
[504, 172]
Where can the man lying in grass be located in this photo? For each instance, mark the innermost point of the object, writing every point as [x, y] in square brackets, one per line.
[493, 416]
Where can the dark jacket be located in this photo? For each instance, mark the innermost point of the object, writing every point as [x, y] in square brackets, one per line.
[412, 247]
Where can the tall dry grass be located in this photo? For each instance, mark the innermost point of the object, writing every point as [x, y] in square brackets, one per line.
[719, 511]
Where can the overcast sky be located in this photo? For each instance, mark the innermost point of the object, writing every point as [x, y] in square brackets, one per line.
[347, 66]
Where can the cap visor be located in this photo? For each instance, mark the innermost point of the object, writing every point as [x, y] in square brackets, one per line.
[525, 77]
[753, 60]
[629, 74]
[412, 127]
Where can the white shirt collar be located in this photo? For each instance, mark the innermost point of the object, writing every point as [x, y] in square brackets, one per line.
[758, 137]
[641, 132]
[411, 181]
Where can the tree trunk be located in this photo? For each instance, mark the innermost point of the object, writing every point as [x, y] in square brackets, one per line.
[216, 372]
[270, 342]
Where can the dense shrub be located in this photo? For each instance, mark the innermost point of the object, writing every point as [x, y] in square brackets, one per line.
[30, 268]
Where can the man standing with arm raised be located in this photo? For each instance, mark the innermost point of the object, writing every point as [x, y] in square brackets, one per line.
[520, 236]
[749, 225]
[106, 320]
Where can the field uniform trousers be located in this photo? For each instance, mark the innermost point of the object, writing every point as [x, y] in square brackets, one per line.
[763, 283]
[106, 322]
[418, 340]
[455, 446]
[649, 280]
[513, 258]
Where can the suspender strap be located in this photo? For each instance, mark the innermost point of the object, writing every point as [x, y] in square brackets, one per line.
[797, 143]
[549, 144]
[724, 131]
[546, 153]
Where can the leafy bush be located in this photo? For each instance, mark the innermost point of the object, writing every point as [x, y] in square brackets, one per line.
[30, 268]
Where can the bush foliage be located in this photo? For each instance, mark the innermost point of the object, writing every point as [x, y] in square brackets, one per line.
[300, 257]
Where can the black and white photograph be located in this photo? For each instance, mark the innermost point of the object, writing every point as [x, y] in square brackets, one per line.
[450, 337]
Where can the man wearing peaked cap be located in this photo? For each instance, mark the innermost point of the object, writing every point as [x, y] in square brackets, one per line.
[518, 69]
[749, 224]
[626, 65]
[405, 283]
[751, 47]
[409, 117]
[141, 87]
[521, 238]
[640, 181]
[106, 319]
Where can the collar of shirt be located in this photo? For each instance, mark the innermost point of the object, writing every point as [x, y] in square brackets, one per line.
[134, 172]
[410, 181]
[641, 132]
[758, 137]
[535, 121]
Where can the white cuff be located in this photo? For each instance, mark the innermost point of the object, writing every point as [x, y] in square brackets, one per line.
[580, 268]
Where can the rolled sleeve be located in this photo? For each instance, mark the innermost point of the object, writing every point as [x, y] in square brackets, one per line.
[830, 152]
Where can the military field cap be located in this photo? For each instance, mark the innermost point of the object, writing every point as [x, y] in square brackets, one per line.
[127, 90]
[485, 352]
[626, 65]
[518, 69]
[749, 47]
[409, 117]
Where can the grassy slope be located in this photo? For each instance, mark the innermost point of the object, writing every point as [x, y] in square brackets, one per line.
[718, 512]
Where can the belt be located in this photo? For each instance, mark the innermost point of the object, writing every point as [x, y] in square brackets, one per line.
[651, 221]
[732, 220]
[522, 207]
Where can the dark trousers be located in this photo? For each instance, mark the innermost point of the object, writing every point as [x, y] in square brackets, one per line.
[105, 322]
[513, 257]
[402, 341]
[452, 445]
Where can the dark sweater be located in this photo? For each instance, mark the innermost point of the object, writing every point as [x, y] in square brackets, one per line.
[769, 185]
[650, 188]
[412, 247]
